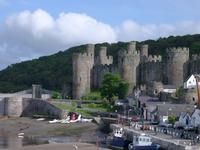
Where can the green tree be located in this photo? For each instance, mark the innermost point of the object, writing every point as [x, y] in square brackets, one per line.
[56, 95]
[172, 119]
[123, 89]
[113, 86]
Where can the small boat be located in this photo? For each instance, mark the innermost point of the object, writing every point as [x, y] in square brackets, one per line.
[118, 140]
[143, 142]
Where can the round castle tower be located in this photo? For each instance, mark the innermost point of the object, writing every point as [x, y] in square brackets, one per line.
[177, 61]
[82, 65]
[128, 62]
[144, 53]
[103, 59]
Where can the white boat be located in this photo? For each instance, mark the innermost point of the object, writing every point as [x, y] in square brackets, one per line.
[118, 140]
[143, 142]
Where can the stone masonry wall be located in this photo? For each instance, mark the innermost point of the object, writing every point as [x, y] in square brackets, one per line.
[177, 65]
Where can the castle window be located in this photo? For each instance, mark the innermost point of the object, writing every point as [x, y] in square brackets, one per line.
[122, 60]
[80, 78]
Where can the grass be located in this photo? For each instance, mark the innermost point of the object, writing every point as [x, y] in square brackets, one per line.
[86, 109]
[96, 95]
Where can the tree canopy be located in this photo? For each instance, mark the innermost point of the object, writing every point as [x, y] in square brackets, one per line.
[113, 85]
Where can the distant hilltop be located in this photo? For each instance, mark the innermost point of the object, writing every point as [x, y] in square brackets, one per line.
[55, 72]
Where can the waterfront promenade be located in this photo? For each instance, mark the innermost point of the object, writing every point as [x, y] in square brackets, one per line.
[166, 141]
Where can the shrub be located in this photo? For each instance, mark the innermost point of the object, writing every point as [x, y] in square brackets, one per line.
[56, 95]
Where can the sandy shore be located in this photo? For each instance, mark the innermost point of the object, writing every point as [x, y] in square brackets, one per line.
[69, 146]
[56, 133]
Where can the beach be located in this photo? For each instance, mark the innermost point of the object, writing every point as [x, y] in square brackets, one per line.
[68, 146]
[34, 132]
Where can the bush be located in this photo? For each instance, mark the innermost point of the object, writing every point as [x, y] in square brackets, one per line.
[56, 95]
[172, 119]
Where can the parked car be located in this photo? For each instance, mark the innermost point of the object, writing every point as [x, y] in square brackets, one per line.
[189, 128]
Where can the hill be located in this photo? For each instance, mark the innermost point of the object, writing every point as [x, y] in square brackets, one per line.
[55, 71]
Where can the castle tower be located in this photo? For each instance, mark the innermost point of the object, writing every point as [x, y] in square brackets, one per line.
[128, 62]
[103, 59]
[90, 53]
[131, 47]
[177, 64]
[82, 65]
[144, 53]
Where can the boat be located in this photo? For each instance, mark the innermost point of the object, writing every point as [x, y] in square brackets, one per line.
[143, 142]
[118, 140]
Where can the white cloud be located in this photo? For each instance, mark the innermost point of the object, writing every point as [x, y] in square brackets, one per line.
[27, 35]
[130, 30]
[32, 34]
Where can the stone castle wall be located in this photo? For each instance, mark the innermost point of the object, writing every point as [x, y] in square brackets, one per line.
[98, 73]
[151, 71]
[128, 63]
[194, 65]
[102, 58]
[135, 67]
[82, 65]
[177, 65]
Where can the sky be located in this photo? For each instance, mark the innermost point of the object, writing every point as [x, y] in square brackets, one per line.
[33, 28]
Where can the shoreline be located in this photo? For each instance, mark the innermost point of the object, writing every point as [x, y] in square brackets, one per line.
[35, 132]
[63, 146]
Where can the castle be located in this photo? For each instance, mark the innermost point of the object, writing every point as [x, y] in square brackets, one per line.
[136, 67]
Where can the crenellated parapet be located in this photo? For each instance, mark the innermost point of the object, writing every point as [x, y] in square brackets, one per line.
[196, 57]
[182, 50]
[82, 65]
[154, 58]
[102, 58]
[177, 65]
[128, 62]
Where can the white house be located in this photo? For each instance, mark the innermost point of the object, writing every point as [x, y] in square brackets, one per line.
[184, 120]
[195, 118]
[190, 82]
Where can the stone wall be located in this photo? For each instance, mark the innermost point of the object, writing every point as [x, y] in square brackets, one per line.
[177, 65]
[17, 107]
[82, 65]
[128, 63]
[40, 107]
[98, 73]
[102, 58]
[151, 71]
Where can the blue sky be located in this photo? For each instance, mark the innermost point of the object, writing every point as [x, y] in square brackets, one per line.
[112, 11]
[33, 28]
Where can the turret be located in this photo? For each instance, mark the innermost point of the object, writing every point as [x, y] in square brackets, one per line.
[144, 53]
[102, 58]
[177, 64]
[128, 62]
[131, 47]
[82, 65]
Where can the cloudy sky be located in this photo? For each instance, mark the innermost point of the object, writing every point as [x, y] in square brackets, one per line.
[33, 28]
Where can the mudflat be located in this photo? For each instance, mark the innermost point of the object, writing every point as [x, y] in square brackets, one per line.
[68, 146]
[33, 127]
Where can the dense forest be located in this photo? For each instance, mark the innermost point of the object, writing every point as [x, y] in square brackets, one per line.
[55, 71]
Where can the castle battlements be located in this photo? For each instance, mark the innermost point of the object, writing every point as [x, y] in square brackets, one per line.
[136, 67]
[154, 58]
[178, 50]
[196, 57]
